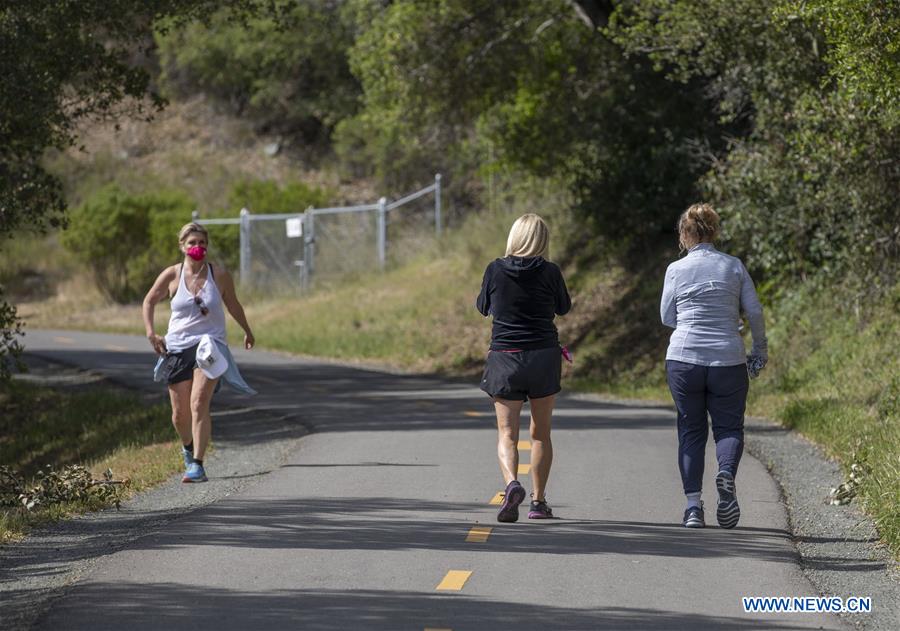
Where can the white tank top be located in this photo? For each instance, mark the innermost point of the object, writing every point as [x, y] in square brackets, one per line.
[188, 324]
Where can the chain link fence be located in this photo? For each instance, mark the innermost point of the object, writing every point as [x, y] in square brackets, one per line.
[292, 251]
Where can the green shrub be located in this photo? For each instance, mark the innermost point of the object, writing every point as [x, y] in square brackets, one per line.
[126, 240]
[266, 196]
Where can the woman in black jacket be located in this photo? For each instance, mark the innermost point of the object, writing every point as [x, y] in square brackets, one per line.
[524, 292]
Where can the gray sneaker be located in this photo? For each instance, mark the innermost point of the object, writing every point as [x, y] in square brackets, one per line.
[727, 512]
[693, 517]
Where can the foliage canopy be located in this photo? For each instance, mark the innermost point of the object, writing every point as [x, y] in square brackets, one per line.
[783, 114]
[285, 67]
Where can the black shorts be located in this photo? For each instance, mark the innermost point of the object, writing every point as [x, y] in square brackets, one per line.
[522, 375]
[180, 365]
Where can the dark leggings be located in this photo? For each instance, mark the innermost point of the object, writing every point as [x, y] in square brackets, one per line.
[720, 391]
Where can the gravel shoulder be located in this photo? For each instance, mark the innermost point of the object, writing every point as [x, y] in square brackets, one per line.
[838, 545]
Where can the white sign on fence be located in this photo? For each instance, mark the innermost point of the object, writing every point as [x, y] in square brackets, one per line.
[294, 227]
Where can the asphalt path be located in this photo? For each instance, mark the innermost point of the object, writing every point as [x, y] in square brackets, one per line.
[381, 518]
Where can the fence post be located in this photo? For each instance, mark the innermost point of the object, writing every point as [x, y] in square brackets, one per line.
[195, 215]
[304, 277]
[245, 246]
[382, 231]
[310, 212]
[309, 246]
[437, 204]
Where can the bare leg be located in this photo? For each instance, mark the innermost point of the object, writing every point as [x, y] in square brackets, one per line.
[541, 446]
[201, 397]
[180, 396]
[508, 437]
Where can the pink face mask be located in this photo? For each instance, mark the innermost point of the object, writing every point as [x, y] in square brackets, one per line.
[197, 252]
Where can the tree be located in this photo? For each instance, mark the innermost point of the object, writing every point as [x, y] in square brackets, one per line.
[62, 62]
[783, 114]
[286, 68]
[810, 189]
[544, 89]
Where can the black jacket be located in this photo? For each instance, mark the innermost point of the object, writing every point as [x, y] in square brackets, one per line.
[523, 295]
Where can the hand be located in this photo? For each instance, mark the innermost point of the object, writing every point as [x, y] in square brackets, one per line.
[158, 343]
[249, 340]
[762, 354]
[755, 363]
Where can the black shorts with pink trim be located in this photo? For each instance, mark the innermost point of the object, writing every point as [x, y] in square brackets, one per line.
[521, 375]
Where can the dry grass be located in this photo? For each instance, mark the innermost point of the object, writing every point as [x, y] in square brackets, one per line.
[78, 304]
[420, 317]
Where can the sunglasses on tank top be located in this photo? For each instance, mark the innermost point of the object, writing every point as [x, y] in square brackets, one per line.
[204, 310]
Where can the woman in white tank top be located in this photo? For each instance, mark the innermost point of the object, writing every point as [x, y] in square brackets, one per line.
[200, 292]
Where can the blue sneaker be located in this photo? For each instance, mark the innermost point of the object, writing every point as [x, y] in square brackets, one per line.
[727, 512]
[188, 457]
[693, 517]
[514, 495]
[194, 473]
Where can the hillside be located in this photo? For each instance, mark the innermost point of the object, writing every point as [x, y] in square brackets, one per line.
[193, 145]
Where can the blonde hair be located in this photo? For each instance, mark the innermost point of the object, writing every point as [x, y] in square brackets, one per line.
[697, 224]
[188, 228]
[529, 236]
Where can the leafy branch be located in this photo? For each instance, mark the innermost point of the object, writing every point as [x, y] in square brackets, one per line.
[73, 484]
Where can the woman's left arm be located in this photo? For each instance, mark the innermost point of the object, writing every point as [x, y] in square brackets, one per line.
[229, 297]
[563, 300]
[753, 311]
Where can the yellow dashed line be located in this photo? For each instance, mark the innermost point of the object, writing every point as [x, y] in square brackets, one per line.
[524, 445]
[478, 534]
[524, 469]
[473, 414]
[64, 340]
[454, 581]
[113, 347]
[497, 499]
